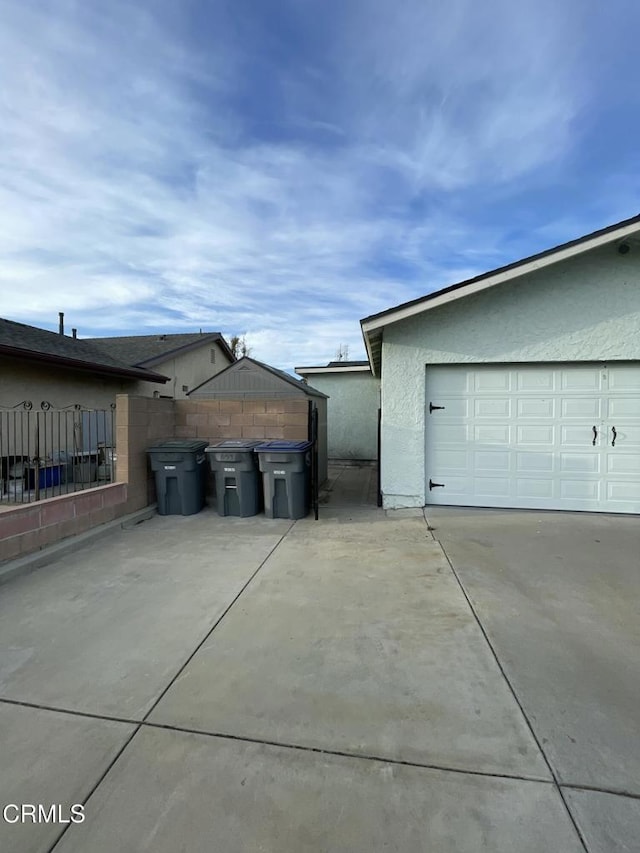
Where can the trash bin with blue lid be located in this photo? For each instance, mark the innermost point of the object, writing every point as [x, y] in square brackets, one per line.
[180, 469]
[235, 468]
[286, 477]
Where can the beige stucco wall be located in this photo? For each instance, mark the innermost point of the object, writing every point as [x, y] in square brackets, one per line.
[190, 368]
[352, 413]
[586, 309]
[21, 380]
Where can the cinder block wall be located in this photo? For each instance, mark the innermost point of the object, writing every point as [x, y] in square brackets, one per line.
[140, 422]
[213, 420]
[143, 421]
[31, 527]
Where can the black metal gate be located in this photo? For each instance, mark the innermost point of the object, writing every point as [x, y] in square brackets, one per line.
[379, 456]
[313, 438]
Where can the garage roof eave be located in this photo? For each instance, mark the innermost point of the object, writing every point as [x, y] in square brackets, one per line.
[373, 344]
[376, 322]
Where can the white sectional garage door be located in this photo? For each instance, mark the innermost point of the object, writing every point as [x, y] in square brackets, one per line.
[534, 436]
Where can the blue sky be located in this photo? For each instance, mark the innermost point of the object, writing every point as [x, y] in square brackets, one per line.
[283, 168]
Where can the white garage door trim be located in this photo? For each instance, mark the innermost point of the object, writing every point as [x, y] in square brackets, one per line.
[534, 436]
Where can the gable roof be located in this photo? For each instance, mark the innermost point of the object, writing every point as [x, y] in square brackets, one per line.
[19, 340]
[147, 350]
[372, 326]
[248, 377]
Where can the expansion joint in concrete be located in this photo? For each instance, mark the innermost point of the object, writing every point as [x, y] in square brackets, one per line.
[554, 776]
[138, 724]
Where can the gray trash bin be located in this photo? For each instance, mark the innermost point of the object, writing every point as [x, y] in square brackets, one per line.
[235, 468]
[286, 476]
[180, 469]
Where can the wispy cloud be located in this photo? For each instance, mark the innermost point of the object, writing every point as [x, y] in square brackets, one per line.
[171, 167]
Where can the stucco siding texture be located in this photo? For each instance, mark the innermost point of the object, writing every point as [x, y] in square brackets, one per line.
[188, 369]
[584, 309]
[22, 381]
[352, 414]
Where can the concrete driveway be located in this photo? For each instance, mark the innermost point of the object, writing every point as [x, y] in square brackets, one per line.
[354, 684]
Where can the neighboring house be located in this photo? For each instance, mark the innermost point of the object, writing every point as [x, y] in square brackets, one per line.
[188, 360]
[255, 400]
[39, 365]
[47, 381]
[520, 387]
[352, 408]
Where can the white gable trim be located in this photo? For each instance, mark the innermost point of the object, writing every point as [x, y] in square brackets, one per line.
[563, 254]
[372, 327]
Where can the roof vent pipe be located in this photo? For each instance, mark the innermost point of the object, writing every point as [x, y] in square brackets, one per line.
[74, 333]
[61, 326]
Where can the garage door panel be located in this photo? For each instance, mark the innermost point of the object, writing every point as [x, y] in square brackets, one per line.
[586, 463]
[452, 408]
[492, 408]
[455, 460]
[580, 490]
[623, 377]
[488, 460]
[536, 379]
[531, 488]
[627, 464]
[534, 407]
[581, 407]
[535, 434]
[624, 494]
[454, 434]
[492, 380]
[622, 408]
[530, 462]
[581, 379]
[627, 437]
[523, 436]
[580, 436]
[450, 381]
[457, 487]
[492, 487]
[492, 433]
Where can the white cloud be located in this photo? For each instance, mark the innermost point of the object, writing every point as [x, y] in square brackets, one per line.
[135, 197]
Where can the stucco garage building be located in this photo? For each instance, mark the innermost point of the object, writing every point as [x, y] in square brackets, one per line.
[520, 387]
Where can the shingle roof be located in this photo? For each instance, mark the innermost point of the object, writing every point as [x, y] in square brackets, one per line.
[144, 350]
[220, 379]
[297, 383]
[23, 341]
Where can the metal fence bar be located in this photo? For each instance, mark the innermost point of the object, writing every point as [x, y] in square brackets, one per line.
[54, 451]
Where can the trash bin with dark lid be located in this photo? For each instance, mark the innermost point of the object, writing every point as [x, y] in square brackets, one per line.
[235, 467]
[286, 476]
[180, 469]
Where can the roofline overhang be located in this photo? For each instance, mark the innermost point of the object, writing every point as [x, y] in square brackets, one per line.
[210, 338]
[78, 364]
[372, 327]
[308, 371]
